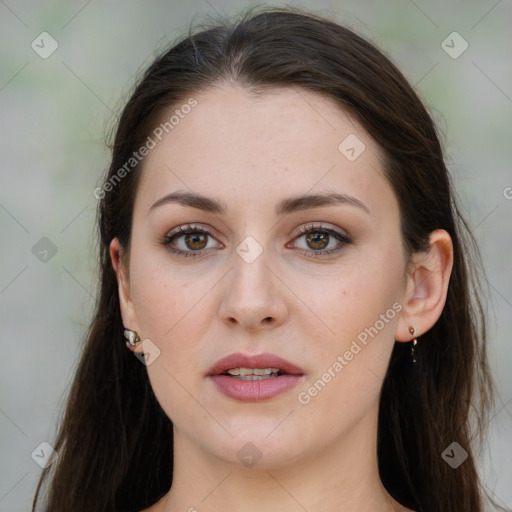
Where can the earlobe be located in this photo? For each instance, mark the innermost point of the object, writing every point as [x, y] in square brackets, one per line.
[427, 287]
[125, 301]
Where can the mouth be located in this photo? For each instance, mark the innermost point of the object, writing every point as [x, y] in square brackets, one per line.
[254, 367]
[254, 373]
[254, 378]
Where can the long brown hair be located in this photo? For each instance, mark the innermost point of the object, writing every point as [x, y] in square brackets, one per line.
[115, 443]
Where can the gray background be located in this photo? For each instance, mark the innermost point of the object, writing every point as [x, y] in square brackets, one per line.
[55, 116]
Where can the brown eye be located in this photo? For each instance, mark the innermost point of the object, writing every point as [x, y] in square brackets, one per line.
[318, 238]
[191, 241]
[196, 241]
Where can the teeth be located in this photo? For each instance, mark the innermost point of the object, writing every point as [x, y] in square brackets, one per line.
[252, 371]
[256, 377]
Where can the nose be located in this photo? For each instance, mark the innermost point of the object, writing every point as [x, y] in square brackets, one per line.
[254, 295]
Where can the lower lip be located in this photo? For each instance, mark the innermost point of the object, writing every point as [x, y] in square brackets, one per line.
[254, 390]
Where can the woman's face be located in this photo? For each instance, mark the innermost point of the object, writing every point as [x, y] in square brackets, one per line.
[250, 281]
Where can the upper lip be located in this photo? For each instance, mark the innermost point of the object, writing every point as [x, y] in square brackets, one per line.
[239, 360]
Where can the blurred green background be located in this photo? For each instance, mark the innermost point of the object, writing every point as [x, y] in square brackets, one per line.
[55, 116]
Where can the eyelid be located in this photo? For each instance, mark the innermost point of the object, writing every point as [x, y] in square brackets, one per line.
[339, 234]
[186, 229]
[304, 228]
[320, 226]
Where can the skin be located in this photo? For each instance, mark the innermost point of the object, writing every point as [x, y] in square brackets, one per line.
[250, 151]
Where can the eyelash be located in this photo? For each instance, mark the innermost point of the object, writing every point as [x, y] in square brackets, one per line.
[304, 230]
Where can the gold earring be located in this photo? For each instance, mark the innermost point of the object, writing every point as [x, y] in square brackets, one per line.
[132, 337]
[414, 343]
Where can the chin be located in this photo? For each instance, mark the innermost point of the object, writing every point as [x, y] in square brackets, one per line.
[261, 451]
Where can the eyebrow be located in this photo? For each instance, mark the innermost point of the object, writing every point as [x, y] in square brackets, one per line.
[288, 205]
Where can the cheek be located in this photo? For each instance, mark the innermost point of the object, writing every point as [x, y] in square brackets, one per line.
[166, 301]
[353, 299]
[168, 305]
[361, 308]
[166, 308]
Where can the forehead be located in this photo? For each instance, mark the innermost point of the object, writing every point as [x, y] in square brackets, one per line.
[252, 147]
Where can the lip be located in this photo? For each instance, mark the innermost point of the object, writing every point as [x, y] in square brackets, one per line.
[265, 360]
[254, 390]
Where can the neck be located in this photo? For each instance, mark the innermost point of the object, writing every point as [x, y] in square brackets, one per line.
[343, 477]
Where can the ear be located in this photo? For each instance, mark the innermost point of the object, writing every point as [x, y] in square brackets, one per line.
[426, 288]
[128, 313]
